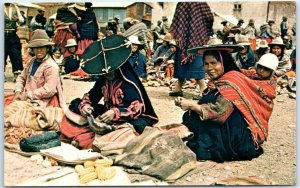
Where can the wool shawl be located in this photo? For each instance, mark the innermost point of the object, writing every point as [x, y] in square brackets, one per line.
[253, 98]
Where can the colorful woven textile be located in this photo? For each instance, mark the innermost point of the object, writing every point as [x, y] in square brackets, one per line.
[253, 98]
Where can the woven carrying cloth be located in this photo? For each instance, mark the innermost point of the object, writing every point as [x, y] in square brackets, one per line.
[191, 26]
[253, 98]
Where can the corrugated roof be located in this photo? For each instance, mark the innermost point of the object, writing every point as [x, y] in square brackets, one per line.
[112, 4]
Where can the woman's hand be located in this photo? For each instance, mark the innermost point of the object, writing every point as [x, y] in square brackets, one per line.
[107, 117]
[86, 110]
[183, 103]
[21, 96]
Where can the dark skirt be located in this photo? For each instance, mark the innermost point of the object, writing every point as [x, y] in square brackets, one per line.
[230, 141]
[195, 69]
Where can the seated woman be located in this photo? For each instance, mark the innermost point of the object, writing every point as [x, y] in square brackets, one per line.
[124, 97]
[72, 56]
[245, 59]
[230, 121]
[38, 85]
[278, 48]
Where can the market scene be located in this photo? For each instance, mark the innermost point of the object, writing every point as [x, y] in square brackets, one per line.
[149, 93]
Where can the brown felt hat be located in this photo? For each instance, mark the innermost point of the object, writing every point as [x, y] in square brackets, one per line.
[39, 38]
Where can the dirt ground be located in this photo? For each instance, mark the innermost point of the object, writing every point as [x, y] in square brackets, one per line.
[277, 166]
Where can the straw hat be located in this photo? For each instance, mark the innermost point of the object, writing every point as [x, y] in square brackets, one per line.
[106, 55]
[70, 43]
[215, 44]
[243, 40]
[39, 38]
[134, 39]
[263, 44]
[167, 37]
[173, 43]
[277, 41]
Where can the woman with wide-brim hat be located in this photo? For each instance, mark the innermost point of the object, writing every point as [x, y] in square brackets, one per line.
[37, 103]
[40, 81]
[277, 47]
[72, 56]
[162, 52]
[124, 97]
[245, 59]
[230, 121]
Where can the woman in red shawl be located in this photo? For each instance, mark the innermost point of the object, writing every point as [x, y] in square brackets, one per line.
[230, 121]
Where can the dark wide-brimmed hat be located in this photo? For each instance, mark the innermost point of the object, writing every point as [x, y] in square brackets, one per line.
[215, 44]
[39, 38]
[106, 55]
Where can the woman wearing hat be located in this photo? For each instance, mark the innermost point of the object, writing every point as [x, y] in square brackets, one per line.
[40, 81]
[72, 56]
[230, 121]
[66, 25]
[245, 58]
[262, 49]
[277, 47]
[137, 60]
[124, 97]
[162, 52]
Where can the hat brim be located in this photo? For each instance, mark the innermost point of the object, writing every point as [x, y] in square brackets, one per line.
[35, 44]
[202, 49]
[70, 45]
[276, 44]
[117, 51]
[244, 44]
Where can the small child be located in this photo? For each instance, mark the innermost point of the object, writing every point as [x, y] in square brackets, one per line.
[265, 68]
[57, 57]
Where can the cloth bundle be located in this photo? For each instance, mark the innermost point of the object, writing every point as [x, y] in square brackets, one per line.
[36, 143]
[162, 155]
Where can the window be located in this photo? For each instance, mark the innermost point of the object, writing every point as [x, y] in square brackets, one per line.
[237, 6]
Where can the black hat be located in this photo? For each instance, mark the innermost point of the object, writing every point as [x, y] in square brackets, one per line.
[106, 55]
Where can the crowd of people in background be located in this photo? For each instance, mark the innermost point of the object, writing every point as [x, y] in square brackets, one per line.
[187, 48]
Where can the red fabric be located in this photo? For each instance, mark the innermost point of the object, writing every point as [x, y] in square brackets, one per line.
[61, 36]
[83, 44]
[8, 99]
[82, 135]
[81, 73]
[269, 40]
[253, 98]
[253, 43]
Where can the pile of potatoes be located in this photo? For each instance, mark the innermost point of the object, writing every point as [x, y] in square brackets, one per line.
[99, 169]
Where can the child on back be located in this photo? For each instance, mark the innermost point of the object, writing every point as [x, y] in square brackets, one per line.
[265, 68]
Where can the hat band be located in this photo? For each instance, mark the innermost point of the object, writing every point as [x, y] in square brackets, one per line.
[41, 40]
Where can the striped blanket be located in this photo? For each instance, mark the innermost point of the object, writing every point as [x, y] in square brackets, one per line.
[253, 98]
[23, 119]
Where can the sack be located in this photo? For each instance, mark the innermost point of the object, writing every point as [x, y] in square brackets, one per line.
[36, 143]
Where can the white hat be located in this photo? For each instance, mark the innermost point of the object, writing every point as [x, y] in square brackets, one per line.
[243, 40]
[134, 39]
[263, 44]
[71, 42]
[269, 60]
